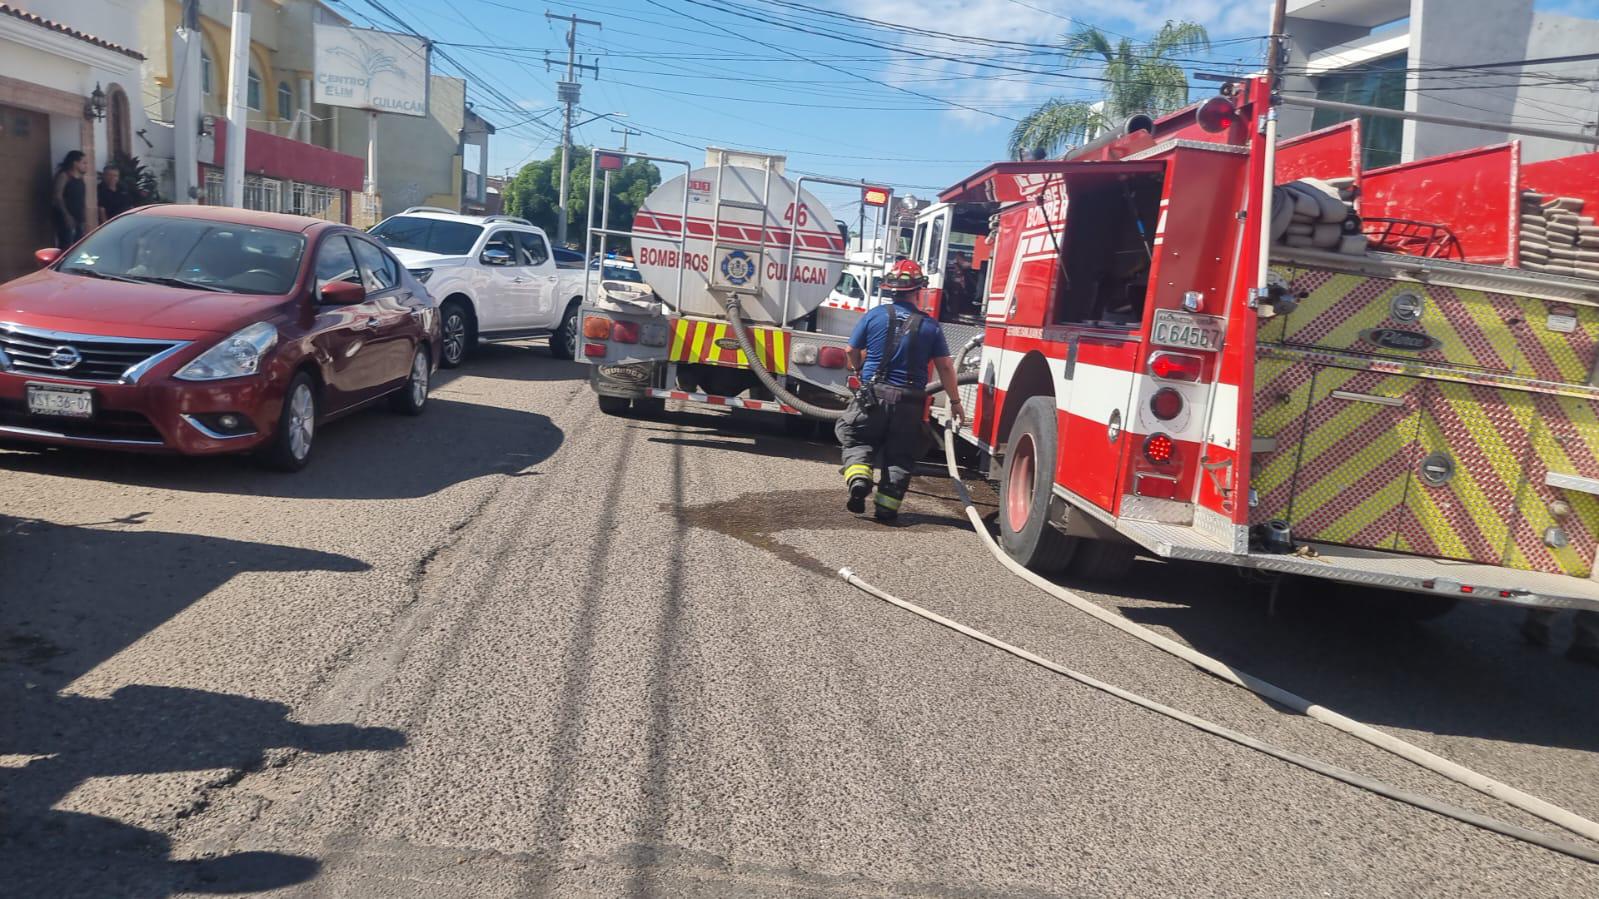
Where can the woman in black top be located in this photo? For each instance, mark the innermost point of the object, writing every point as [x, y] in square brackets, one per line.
[68, 199]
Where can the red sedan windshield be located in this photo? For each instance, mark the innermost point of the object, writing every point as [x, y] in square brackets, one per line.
[203, 255]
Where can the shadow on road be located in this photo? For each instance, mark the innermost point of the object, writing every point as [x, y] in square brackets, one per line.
[72, 598]
[371, 454]
[528, 360]
[1466, 673]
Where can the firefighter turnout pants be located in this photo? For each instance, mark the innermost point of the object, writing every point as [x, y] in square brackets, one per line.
[886, 436]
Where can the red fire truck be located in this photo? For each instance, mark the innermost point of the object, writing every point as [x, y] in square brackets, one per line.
[1407, 401]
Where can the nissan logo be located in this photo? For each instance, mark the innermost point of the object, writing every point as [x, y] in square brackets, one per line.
[65, 358]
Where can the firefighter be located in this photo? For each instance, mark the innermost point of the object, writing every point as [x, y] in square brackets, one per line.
[889, 351]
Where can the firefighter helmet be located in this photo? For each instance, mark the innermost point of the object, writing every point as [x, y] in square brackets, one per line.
[904, 275]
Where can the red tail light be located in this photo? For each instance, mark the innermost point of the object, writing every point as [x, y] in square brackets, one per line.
[1176, 366]
[1159, 448]
[624, 332]
[832, 357]
[1166, 404]
[593, 349]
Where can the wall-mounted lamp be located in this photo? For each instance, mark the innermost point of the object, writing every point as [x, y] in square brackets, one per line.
[94, 107]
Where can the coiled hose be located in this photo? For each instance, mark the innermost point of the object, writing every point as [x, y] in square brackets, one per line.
[735, 317]
[1422, 757]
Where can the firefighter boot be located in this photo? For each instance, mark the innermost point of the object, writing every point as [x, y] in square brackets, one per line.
[859, 479]
[886, 507]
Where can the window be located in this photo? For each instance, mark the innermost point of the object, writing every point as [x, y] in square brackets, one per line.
[285, 101]
[445, 238]
[205, 71]
[252, 95]
[118, 123]
[334, 262]
[935, 253]
[503, 242]
[381, 272]
[848, 286]
[1380, 83]
[533, 249]
[159, 248]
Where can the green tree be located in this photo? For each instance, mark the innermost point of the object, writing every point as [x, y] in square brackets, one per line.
[533, 193]
[1138, 78]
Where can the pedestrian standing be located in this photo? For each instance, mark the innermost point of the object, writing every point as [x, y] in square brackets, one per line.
[889, 352]
[114, 198]
[69, 198]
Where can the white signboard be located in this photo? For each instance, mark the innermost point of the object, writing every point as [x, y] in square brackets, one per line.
[372, 70]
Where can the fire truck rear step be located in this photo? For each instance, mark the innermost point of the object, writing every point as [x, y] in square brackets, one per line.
[1375, 568]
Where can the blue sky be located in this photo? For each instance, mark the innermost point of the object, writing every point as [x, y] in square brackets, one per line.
[697, 71]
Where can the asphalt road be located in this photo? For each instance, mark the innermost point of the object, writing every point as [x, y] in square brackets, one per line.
[519, 648]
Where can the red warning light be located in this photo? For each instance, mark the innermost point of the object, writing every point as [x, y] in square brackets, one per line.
[1216, 114]
[610, 162]
[1158, 448]
[875, 196]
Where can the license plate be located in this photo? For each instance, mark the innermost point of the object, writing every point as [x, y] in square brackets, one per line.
[71, 402]
[1186, 330]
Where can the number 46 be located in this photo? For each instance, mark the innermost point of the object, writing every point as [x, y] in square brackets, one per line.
[804, 215]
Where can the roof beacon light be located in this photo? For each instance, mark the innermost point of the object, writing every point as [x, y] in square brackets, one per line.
[1216, 114]
[875, 196]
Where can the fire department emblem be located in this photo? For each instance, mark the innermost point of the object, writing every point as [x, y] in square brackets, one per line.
[738, 268]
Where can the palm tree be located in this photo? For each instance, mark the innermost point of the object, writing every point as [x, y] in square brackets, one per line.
[1138, 78]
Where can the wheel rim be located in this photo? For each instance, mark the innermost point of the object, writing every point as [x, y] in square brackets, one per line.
[1023, 477]
[571, 336]
[454, 335]
[419, 379]
[302, 421]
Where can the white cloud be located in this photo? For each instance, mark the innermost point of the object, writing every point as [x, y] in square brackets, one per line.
[1038, 22]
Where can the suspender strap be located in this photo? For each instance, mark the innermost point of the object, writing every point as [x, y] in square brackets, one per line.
[912, 324]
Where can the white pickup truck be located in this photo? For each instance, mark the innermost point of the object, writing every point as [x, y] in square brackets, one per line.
[493, 276]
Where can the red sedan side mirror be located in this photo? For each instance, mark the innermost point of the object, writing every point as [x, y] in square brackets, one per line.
[341, 293]
[46, 256]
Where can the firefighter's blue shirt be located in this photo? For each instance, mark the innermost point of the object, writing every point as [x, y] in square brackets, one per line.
[912, 354]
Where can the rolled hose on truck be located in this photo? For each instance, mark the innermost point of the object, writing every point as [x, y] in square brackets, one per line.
[735, 317]
[1456, 772]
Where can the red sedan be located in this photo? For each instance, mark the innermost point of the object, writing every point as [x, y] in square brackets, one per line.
[198, 329]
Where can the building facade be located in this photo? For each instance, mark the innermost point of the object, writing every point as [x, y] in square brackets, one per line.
[69, 80]
[1426, 56]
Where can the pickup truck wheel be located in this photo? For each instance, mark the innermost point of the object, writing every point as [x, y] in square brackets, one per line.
[1025, 490]
[614, 405]
[563, 343]
[460, 336]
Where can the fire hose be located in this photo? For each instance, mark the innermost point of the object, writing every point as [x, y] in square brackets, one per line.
[1452, 770]
[735, 317]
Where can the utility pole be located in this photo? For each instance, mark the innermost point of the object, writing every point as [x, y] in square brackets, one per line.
[605, 214]
[238, 104]
[1275, 50]
[568, 92]
[625, 132]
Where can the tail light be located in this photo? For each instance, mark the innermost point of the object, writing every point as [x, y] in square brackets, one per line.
[593, 349]
[833, 357]
[1159, 448]
[1166, 404]
[624, 332]
[1176, 366]
[653, 334]
[803, 354]
[596, 327]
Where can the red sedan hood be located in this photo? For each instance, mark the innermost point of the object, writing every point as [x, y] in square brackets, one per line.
[86, 305]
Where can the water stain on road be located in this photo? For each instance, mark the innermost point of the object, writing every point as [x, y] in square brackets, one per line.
[758, 518]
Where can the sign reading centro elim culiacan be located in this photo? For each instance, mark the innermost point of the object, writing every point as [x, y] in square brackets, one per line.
[372, 70]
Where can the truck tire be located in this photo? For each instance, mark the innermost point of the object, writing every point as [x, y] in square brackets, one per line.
[1025, 491]
[563, 343]
[614, 405]
[459, 331]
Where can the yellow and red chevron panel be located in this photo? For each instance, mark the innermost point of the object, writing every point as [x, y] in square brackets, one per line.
[1458, 327]
[1438, 468]
[713, 342]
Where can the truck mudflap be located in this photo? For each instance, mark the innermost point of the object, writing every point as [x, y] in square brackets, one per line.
[1375, 568]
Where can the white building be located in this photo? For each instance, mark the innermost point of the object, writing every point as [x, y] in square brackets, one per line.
[55, 55]
[1409, 54]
